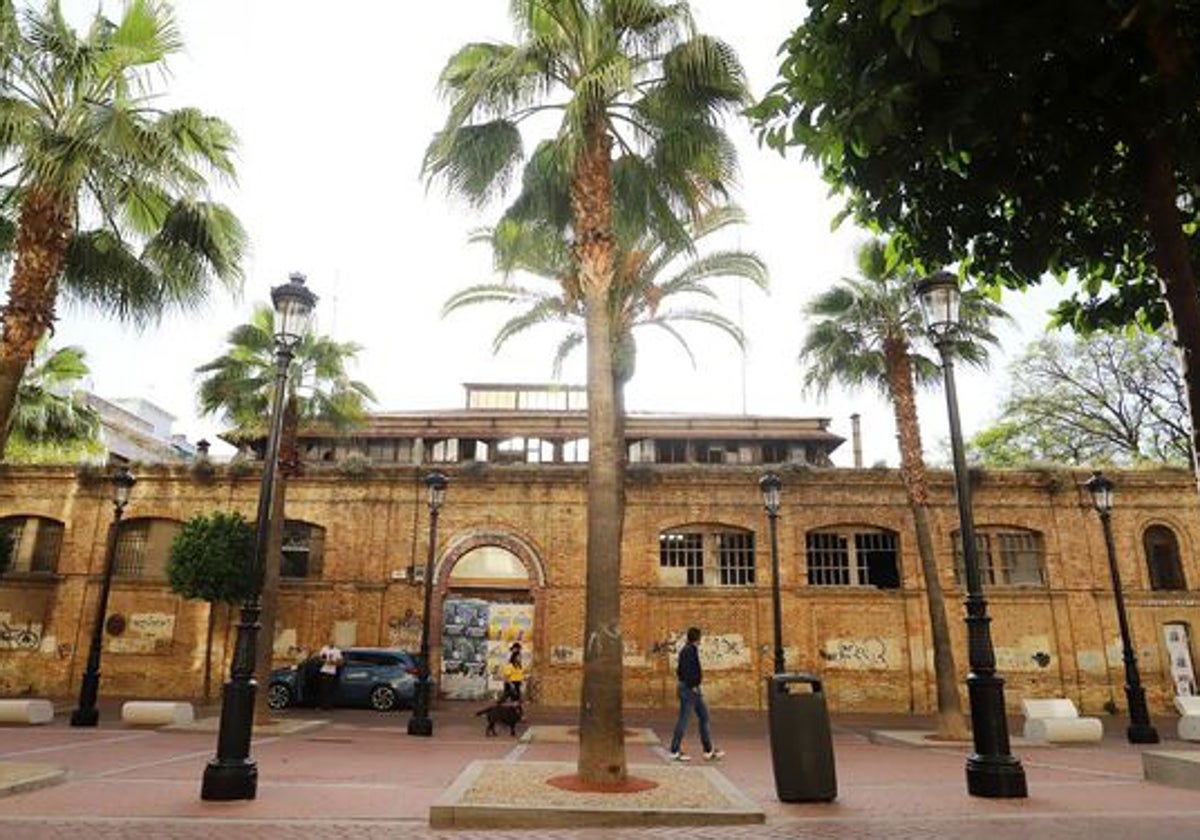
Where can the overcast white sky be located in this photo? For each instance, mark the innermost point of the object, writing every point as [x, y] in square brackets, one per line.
[334, 105]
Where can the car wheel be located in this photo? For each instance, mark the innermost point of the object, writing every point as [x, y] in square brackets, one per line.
[279, 696]
[383, 698]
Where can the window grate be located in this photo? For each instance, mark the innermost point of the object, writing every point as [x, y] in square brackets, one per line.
[1006, 558]
[735, 558]
[15, 530]
[130, 560]
[683, 550]
[828, 559]
[46, 547]
[876, 559]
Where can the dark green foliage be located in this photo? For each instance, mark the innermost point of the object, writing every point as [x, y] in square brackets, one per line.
[210, 558]
[1013, 136]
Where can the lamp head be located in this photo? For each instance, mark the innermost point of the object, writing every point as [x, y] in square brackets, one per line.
[1102, 492]
[940, 299]
[770, 485]
[294, 303]
[436, 483]
[122, 481]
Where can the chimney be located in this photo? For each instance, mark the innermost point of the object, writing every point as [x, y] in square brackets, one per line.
[856, 434]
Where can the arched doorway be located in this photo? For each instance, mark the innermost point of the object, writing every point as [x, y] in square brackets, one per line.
[491, 585]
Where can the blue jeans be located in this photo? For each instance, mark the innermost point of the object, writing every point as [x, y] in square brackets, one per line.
[691, 698]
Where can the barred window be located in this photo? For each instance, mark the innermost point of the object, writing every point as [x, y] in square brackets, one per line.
[1006, 558]
[47, 545]
[853, 557]
[828, 559]
[735, 558]
[143, 546]
[130, 558]
[30, 544]
[303, 549]
[1162, 557]
[676, 550]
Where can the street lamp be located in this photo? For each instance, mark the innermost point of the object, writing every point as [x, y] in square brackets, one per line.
[770, 485]
[992, 770]
[420, 723]
[86, 714]
[1140, 730]
[233, 774]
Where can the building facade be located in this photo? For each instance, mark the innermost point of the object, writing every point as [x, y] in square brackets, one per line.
[509, 565]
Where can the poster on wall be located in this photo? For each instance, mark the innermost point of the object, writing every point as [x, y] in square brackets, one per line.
[464, 648]
[1179, 650]
[476, 638]
[508, 624]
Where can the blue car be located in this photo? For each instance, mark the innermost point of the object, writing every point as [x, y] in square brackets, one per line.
[369, 677]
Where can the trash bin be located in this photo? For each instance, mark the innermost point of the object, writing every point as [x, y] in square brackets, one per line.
[801, 741]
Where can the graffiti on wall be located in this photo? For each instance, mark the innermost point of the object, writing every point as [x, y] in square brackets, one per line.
[718, 652]
[143, 633]
[861, 653]
[13, 636]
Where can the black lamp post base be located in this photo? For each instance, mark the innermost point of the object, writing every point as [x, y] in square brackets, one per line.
[1141, 733]
[227, 781]
[996, 779]
[90, 717]
[420, 726]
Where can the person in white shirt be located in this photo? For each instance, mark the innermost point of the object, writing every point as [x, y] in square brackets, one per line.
[331, 660]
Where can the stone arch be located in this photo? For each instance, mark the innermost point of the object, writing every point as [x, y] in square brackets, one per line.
[465, 543]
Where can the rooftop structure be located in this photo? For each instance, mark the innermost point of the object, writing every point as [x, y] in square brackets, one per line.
[547, 424]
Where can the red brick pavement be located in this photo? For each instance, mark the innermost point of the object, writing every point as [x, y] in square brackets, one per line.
[363, 776]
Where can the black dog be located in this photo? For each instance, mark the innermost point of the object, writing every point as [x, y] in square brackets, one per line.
[507, 714]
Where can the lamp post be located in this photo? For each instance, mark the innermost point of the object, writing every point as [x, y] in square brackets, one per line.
[992, 770]
[1140, 730]
[770, 485]
[420, 723]
[233, 774]
[86, 714]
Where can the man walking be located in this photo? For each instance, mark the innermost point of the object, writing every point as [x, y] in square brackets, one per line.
[690, 676]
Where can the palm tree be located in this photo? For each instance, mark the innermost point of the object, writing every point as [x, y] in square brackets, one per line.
[649, 273]
[102, 192]
[238, 387]
[52, 420]
[640, 95]
[864, 334]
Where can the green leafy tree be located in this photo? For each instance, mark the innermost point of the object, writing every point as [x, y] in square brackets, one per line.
[102, 192]
[1026, 138]
[52, 421]
[209, 561]
[865, 332]
[238, 387]
[651, 274]
[1107, 399]
[640, 95]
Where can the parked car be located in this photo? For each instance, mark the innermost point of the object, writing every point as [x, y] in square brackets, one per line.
[372, 677]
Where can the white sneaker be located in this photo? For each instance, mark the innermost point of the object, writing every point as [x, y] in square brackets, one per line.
[713, 755]
[680, 756]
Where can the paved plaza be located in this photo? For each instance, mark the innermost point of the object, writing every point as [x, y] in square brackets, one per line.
[361, 776]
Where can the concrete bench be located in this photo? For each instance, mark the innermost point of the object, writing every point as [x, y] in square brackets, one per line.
[156, 712]
[1057, 721]
[1189, 718]
[26, 711]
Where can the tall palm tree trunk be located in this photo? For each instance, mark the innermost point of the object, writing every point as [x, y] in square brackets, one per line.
[269, 597]
[951, 721]
[43, 232]
[601, 726]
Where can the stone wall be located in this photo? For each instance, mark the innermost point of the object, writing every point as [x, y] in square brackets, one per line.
[870, 646]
